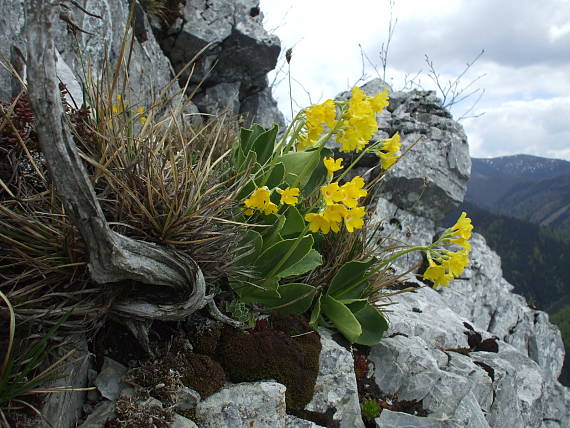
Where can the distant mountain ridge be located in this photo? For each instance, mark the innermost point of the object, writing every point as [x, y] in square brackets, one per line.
[526, 187]
[523, 166]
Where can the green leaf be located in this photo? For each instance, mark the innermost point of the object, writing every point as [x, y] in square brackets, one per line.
[299, 167]
[289, 293]
[318, 174]
[316, 313]
[342, 317]
[352, 301]
[272, 235]
[306, 264]
[350, 280]
[237, 154]
[250, 294]
[251, 242]
[373, 323]
[274, 177]
[248, 136]
[283, 255]
[264, 143]
[294, 223]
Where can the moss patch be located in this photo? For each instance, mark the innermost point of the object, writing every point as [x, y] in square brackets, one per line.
[203, 374]
[285, 349]
[162, 377]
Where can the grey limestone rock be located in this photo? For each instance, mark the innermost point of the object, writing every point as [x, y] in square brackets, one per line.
[12, 46]
[150, 71]
[421, 359]
[397, 226]
[336, 387]
[182, 422]
[109, 381]
[485, 297]
[262, 108]
[104, 412]
[431, 179]
[186, 399]
[219, 98]
[259, 404]
[238, 47]
[390, 419]
[237, 53]
[63, 409]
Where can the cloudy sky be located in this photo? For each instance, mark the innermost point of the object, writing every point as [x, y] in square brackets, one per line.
[524, 72]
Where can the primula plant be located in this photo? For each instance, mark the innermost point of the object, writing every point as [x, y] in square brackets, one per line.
[298, 196]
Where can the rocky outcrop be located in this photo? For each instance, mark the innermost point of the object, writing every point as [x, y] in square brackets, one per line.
[336, 389]
[231, 70]
[237, 55]
[473, 353]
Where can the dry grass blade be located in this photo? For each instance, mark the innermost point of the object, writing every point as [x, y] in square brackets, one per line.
[11, 332]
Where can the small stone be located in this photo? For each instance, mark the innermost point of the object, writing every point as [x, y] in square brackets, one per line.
[103, 413]
[109, 382]
[186, 399]
[182, 422]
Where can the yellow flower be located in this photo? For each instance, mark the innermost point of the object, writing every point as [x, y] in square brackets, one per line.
[360, 122]
[332, 165]
[270, 208]
[335, 213]
[352, 191]
[119, 106]
[437, 274]
[289, 196]
[463, 227]
[457, 262]
[260, 200]
[380, 101]
[332, 193]
[142, 119]
[318, 222]
[390, 147]
[249, 211]
[317, 117]
[462, 242]
[353, 219]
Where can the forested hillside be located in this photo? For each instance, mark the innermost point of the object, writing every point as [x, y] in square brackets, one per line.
[529, 188]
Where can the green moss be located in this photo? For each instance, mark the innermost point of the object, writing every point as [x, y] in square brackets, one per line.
[370, 409]
[271, 353]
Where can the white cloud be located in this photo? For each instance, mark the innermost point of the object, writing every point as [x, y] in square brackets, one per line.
[526, 64]
[538, 127]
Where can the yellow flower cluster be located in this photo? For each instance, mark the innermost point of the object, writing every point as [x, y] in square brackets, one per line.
[359, 120]
[451, 266]
[341, 204]
[120, 107]
[317, 117]
[389, 150]
[445, 265]
[260, 200]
